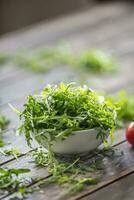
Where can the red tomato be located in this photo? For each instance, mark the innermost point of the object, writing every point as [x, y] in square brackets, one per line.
[130, 133]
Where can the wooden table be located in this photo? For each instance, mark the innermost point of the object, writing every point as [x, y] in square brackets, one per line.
[108, 26]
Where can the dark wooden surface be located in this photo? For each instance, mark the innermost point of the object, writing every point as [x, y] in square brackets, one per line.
[109, 27]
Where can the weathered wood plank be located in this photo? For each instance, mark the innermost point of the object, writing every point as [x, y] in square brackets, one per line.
[26, 80]
[6, 70]
[34, 84]
[6, 73]
[47, 33]
[97, 29]
[111, 173]
[114, 168]
[22, 75]
[121, 189]
[27, 162]
[101, 35]
[37, 82]
[16, 74]
[12, 140]
[24, 88]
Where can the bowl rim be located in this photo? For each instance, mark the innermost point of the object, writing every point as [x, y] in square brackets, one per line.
[86, 130]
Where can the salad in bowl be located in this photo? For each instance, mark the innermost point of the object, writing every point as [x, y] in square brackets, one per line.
[67, 119]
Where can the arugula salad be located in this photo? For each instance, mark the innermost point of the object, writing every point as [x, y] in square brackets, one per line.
[61, 109]
[56, 113]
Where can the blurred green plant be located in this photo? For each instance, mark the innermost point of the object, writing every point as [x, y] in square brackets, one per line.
[3, 123]
[43, 59]
[96, 61]
[3, 58]
[125, 104]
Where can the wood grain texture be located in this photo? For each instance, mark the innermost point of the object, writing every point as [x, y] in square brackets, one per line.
[120, 190]
[21, 81]
[17, 74]
[82, 30]
[114, 168]
[26, 161]
[92, 23]
[28, 86]
[12, 140]
[33, 84]
[49, 32]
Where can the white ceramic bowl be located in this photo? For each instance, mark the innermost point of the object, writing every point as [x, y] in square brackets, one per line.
[77, 143]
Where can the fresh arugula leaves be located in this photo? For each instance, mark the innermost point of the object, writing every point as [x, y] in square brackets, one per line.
[43, 59]
[12, 152]
[60, 110]
[96, 61]
[10, 179]
[56, 113]
[3, 123]
[72, 171]
[125, 107]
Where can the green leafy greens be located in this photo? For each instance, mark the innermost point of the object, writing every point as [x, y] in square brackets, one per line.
[72, 171]
[3, 123]
[57, 112]
[12, 152]
[43, 59]
[125, 106]
[11, 181]
[96, 61]
[60, 110]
